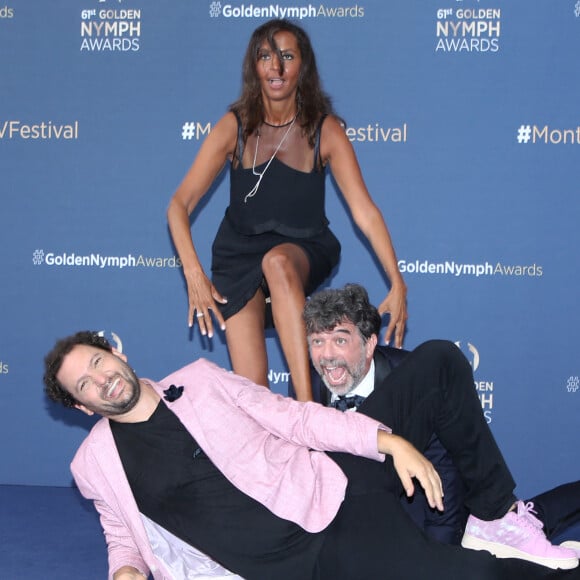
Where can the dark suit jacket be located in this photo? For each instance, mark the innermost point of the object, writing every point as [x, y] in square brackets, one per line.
[557, 508]
[448, 526]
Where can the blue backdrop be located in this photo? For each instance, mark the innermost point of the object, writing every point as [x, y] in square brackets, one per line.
[464, 116]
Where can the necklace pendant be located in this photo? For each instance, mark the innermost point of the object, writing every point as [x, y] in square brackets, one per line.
[258, 174]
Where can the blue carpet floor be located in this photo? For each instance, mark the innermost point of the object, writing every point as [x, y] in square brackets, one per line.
[49, 533]
[52, 533]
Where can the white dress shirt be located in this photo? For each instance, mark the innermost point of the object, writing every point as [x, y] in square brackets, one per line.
[363, 389]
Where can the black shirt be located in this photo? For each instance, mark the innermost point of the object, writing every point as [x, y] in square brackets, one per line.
[177, 486]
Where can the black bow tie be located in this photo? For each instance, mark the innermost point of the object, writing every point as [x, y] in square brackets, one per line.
[344, 402]
[172, 393]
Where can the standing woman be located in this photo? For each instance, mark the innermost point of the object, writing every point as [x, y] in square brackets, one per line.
[274, 243]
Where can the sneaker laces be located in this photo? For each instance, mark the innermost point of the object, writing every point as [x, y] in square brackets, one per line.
[528, 514]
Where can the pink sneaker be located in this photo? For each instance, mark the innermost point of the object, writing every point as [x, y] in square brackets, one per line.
[517, 535]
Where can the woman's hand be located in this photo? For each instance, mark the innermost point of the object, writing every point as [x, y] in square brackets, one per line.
[203, 296]
[214, 152]
[396, 305]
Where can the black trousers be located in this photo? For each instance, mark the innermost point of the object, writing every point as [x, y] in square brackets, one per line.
[372, 537]
[432, 392]
[558, 508]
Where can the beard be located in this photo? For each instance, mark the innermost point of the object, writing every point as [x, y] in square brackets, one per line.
[348, 376]
[128, 398]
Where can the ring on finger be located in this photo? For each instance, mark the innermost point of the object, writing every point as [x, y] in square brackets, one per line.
[200, 315]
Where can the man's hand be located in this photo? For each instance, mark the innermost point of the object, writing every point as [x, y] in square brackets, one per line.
[128, 573]
[410, 463]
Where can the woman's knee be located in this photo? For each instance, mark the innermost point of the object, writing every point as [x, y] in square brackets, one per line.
[280, 266]
[275, 260]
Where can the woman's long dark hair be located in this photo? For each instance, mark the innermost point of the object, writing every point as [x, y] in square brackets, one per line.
[311, 101]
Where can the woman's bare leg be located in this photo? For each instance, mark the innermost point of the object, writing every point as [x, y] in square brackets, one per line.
[286, 268]
[246, 340]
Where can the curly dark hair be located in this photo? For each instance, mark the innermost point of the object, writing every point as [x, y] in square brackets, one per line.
[328, 308]
[54, 359]
[312, 101]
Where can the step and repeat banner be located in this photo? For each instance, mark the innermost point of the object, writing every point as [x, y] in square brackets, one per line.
[465, 116]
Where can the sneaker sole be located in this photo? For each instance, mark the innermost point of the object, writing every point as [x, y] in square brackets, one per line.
[503, 551]
[571, 545]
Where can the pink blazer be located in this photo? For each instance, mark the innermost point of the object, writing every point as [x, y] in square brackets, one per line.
[267, 445]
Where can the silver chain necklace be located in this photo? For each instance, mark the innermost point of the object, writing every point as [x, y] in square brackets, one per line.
[259, 175]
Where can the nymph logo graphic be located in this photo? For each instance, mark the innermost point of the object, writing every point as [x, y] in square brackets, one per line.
[473, 356]
[468, 30]
[110, 29]
[114, 340]
[484, 388]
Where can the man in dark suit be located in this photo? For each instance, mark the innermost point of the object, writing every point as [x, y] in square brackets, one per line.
[429, 393]
[447, 526]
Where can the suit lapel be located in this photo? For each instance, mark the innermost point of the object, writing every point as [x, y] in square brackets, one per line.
[383, 365]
